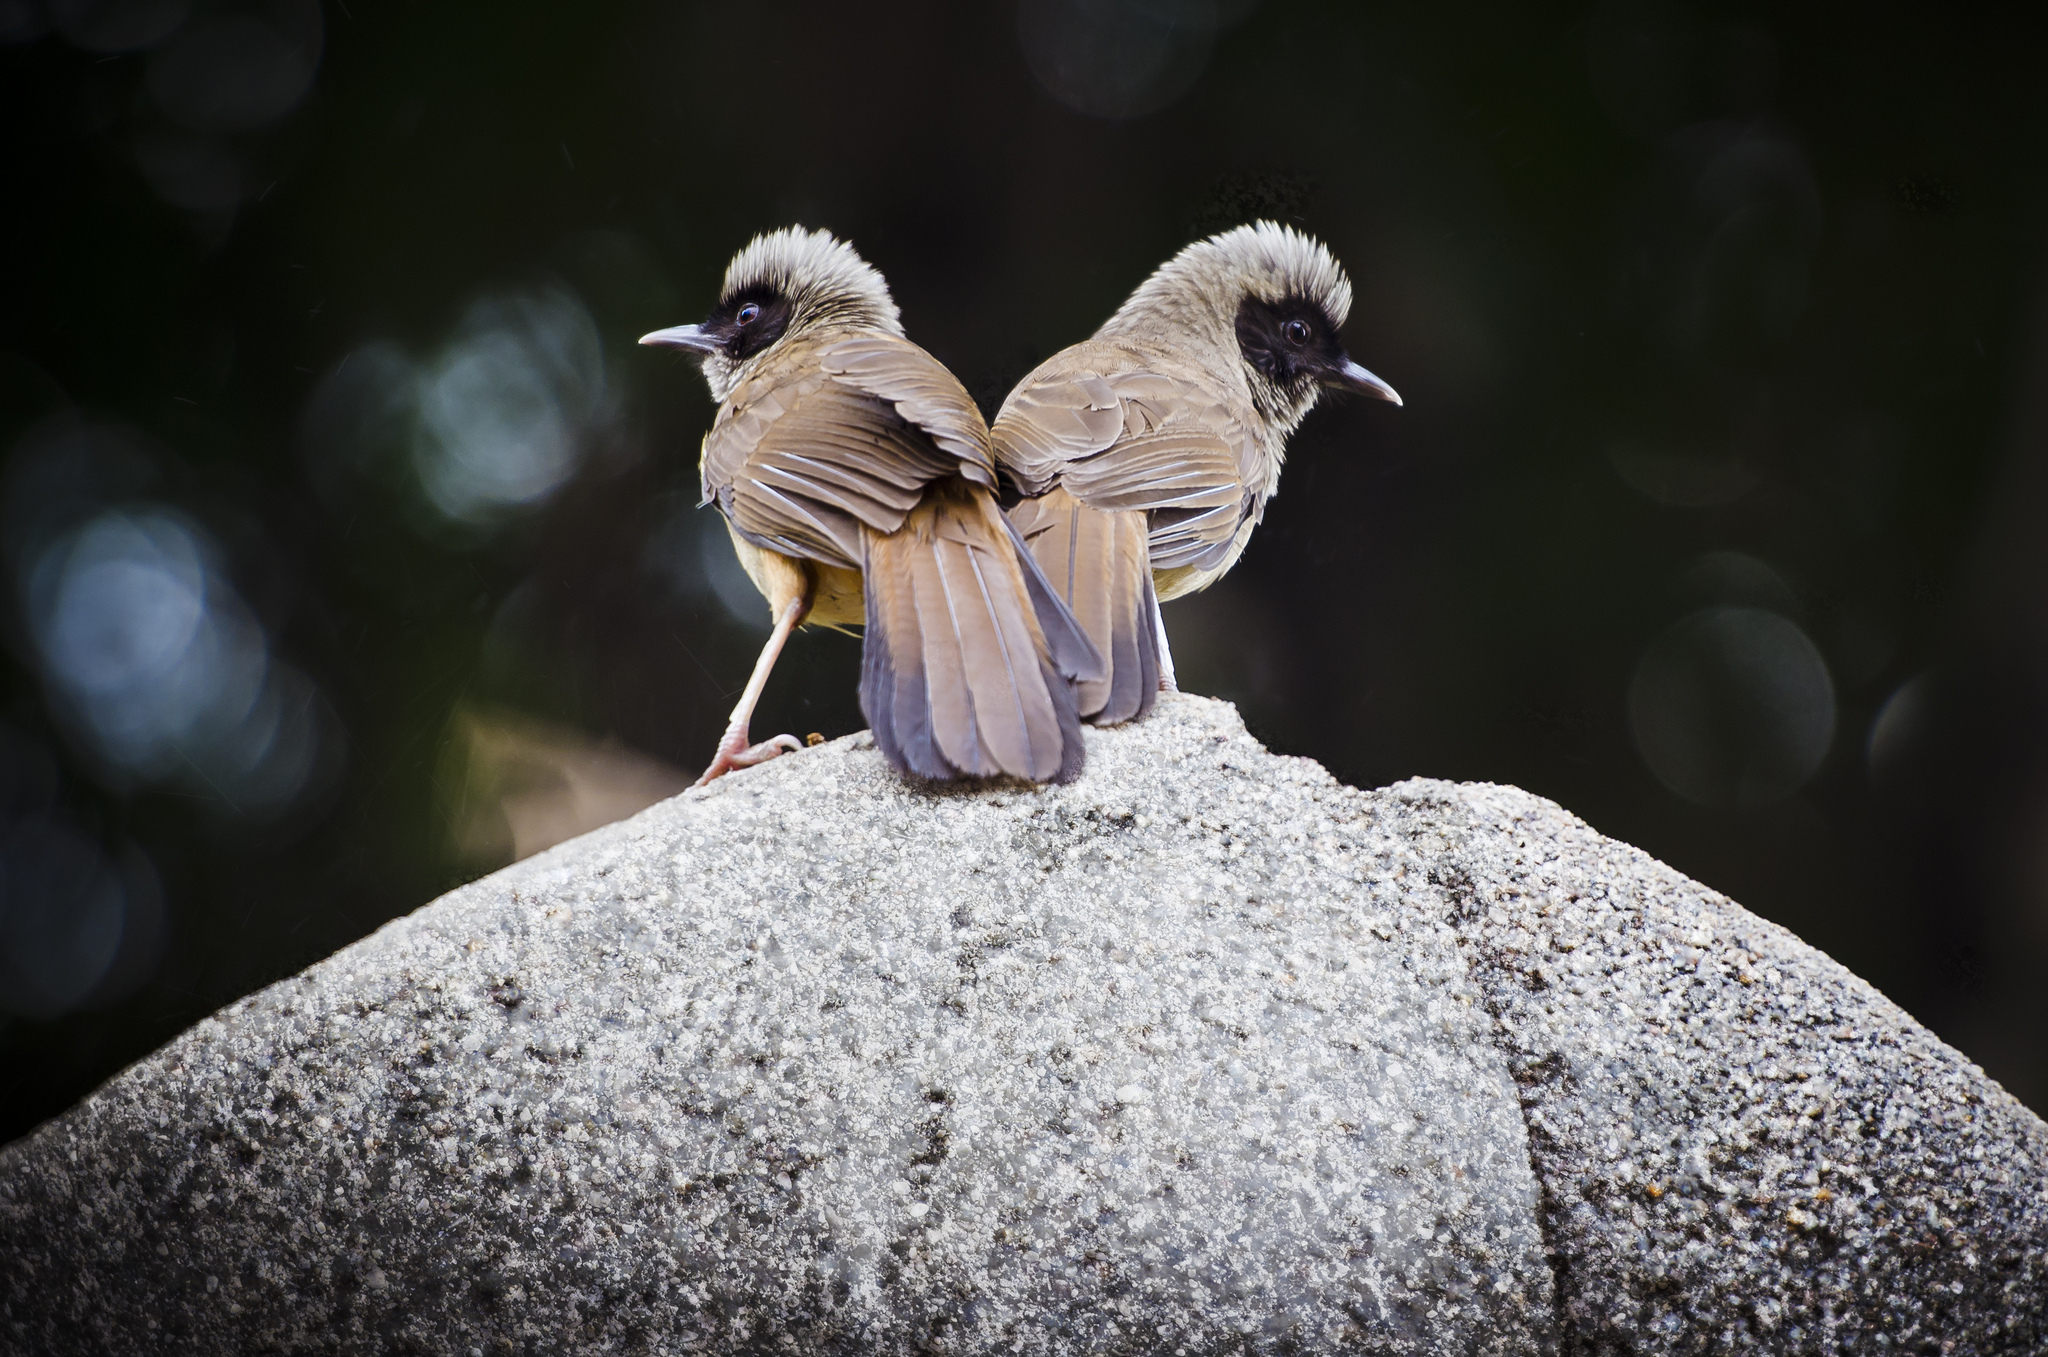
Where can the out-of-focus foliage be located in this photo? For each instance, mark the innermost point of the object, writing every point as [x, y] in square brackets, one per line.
[511, 786]
[350, 546]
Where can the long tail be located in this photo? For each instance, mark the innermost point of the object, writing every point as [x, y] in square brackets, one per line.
[1099, 565]
[969, 665]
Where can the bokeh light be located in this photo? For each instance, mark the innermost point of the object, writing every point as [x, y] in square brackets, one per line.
[1737, 578]
[506, 410]
[237, 70]
[495, 421]
[691, 552]
[729, 579]
[512, 786]
[1733, 707]
[357, 429]
[76, 926]
[150, 657]
[1900, 726]
[1717, 248]
[215, 83]
[121, 614]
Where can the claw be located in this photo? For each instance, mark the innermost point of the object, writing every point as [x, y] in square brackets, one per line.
[734, 753]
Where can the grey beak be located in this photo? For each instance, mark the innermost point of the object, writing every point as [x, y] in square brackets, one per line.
[693, 337]
[1356, 377]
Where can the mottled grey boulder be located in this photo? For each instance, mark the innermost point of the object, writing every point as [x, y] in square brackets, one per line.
[1205, 1052]
[1742, 1146]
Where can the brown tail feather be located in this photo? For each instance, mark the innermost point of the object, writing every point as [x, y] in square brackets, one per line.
[1097, 562]
[957, 676]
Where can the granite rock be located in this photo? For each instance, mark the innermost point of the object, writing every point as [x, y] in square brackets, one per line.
[1204, 1052]
[1742, 1146]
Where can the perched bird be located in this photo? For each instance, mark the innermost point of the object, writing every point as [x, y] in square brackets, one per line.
[858, 483]
[1144, 456]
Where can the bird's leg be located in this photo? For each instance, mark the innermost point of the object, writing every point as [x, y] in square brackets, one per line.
[733, 750]
[1166, 682]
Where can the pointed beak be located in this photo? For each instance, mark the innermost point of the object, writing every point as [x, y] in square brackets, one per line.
[1358, 379]
[691, 337]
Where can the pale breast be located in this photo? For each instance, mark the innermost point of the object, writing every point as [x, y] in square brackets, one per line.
[836, 599]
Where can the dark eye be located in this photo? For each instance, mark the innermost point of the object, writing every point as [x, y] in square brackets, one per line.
[748, 314]
[1296, 331]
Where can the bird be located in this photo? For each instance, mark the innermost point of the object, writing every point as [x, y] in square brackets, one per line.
[1138, 461]
[856, 478]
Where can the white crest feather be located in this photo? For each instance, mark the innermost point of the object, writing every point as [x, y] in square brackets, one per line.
[824, 278]
[1192, 302]
[1203, 285]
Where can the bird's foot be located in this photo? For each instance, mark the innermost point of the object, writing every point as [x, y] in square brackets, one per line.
[734, 752]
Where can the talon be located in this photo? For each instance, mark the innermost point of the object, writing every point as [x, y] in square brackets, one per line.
[768, 749]
[735, 753]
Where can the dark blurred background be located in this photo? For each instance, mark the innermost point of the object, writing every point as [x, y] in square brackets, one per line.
[349, 545]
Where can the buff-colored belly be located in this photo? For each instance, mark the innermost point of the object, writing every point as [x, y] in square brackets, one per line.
[836, 600]
[1182, 580]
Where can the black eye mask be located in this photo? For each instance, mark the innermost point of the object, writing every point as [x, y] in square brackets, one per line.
[743, 341]
[1262, 336]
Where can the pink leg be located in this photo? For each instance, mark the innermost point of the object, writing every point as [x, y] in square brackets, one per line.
[1166, 679]
[733, 750]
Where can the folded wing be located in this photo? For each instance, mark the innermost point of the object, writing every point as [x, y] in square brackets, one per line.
[1121, 475]
[866, 453]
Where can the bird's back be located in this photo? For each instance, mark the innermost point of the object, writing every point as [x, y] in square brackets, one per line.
[840, 432]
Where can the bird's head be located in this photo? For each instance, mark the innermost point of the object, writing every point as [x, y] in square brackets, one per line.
[782, 286]
[1269, 296]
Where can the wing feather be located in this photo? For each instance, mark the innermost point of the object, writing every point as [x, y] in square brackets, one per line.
[963, 681]
[839, 434]
[1098, 561]
[1130, 441]
[954, 727]
[924, 393]
[1003, 672]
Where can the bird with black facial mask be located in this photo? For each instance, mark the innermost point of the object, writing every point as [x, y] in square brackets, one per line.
[1145, 455]
[857, 480]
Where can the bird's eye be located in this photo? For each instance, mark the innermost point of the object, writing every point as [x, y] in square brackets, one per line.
[748, 314]
[1296, 331]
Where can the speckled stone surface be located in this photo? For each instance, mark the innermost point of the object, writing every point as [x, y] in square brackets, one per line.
[1203, 1053]
[1158, 1061]
[1743, 1147]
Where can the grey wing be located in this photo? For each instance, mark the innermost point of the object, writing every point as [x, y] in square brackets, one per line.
[799, 465]
[924, 393]
[1135, 441]
[1049, 421]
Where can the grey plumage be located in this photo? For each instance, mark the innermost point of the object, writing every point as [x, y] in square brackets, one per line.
[1145, 455]
[1098, 563]
[858, 481]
